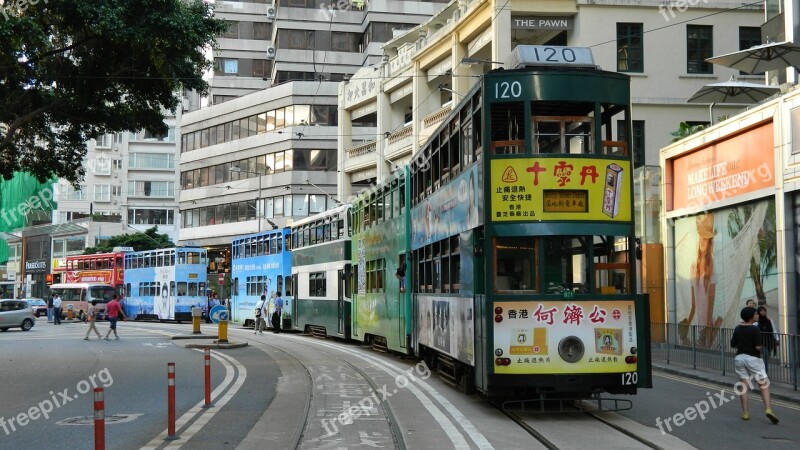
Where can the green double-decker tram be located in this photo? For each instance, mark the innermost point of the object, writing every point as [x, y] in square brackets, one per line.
[382, 313]
[321, 272]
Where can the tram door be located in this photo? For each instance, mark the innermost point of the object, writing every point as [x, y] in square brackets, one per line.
[340, 310]
[296, 292]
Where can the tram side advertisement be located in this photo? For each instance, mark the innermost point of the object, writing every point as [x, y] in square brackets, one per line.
[595, 189]
[554, 337]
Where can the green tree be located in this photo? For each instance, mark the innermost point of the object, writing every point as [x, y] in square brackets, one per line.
[73, 70]
[150, 239]
[684, 130]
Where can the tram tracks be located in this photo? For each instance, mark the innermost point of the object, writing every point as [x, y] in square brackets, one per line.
[341, 429]
[556, 431]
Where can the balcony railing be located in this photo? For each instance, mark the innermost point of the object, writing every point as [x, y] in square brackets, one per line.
[401, 134]
[362, 149]
[433, 119]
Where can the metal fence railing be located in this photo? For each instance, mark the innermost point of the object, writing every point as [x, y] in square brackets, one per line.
[709, 348]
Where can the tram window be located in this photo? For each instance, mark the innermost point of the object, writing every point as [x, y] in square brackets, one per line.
[507, 125]
[192, 289]
[181, 288]
[160, 260]
[516, 264]
[566, 262]
[289, 287]
[171, 288]
[192, 258]
[127, 290]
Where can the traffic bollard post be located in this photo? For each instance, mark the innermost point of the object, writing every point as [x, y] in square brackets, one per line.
[207, 362]
[171, 402]
[99, 420]
[223, 332]
[197, 314]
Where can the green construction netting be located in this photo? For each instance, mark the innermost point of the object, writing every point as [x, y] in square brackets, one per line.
[21, 197]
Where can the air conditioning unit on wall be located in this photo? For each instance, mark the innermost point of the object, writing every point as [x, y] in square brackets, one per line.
[271, 12]
[271, 52]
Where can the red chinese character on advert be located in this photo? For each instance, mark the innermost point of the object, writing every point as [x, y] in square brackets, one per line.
[562, 171]
[589, 171]
[597, 315]
[544, 316]
[535, 169]
[573, 314]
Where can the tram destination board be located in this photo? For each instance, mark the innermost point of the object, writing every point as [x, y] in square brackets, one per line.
[565, 201]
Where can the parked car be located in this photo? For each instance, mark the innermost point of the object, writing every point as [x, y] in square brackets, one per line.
[39, 306]
[16, 313]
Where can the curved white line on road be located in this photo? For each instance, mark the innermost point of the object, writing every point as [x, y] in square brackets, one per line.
[447, 426]
[197, 409]
[752, 394]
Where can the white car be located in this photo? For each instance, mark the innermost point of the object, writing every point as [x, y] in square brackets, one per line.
[16, 313]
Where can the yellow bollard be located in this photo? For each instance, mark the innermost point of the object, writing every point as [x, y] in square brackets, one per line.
[196, 316]
[223, 331]
[69, 314]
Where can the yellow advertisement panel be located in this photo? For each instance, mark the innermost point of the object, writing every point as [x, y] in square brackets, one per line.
[569, 188]
[552, 337]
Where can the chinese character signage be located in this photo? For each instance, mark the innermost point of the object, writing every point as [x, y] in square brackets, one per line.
[535, 189]
[530, 334]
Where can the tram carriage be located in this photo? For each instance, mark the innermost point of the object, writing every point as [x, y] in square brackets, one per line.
[321, 272]
[519, 237]
[261, 265]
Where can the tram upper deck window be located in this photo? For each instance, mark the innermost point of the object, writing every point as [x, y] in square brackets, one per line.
[508, 128]
[557, 134]
[516, 262]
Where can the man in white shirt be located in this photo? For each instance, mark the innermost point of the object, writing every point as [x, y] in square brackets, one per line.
[57, 310]
[261, 313]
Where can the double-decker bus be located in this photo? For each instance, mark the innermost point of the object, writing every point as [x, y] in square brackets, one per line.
[104, 268]
[165, 284]
[380, 254]
[321, 273]
[261, 266]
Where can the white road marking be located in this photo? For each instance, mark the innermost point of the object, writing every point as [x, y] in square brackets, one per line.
[456, 437]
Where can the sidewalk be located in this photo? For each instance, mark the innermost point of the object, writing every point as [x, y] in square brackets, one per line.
[779, 391]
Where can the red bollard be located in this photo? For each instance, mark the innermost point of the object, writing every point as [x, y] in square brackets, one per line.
[171, 401]
[207, 359]
[99, 420]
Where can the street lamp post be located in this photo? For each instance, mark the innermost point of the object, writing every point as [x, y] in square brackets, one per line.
[237, 169]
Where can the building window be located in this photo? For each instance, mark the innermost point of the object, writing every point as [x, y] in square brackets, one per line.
[151, 188]
[748, 37]
[262, 31]
[261, 68]
[102, 193]
[699, 46]
[227, 66]
[630, 49]
[637, 140]
[116, 164]
[151, 216]
[232, 31]
[102, 166]
[116, 191]
[795, 119]
[296, 39]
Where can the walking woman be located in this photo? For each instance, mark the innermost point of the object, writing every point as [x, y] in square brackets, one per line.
[769, 336]
[92, 314]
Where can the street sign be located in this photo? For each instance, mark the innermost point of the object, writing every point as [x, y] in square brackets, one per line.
[222, 278]
[219, 313]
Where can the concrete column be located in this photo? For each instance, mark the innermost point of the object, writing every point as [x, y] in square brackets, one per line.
[344, 143]
[424, 101]
[501, 30]
[384, 126]
[461, 80]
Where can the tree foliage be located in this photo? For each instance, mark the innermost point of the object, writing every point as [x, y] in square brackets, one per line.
[684, 130]
[73, 70]
[150, 239]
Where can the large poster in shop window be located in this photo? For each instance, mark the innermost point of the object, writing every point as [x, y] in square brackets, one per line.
[531, 333]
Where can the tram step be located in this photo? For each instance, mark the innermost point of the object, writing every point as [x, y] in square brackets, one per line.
[379, 344]
[317, 332]
[447, 371]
